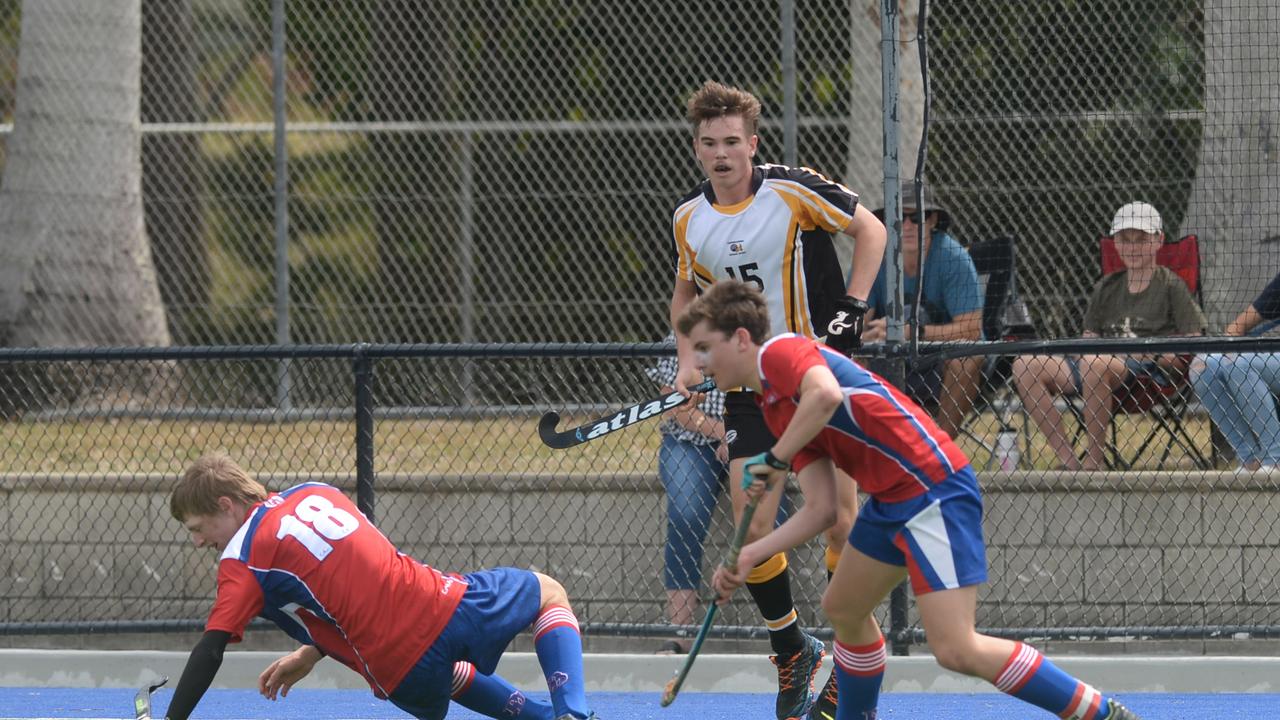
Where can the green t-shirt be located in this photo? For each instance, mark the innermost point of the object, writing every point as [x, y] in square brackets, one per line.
[1165, 307]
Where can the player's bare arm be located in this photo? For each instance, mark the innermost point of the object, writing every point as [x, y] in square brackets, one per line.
[820, 395]
[286, 671]
[688, 374]
[869, 239]
[818, 485]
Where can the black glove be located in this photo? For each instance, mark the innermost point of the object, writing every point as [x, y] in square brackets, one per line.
[844, 332]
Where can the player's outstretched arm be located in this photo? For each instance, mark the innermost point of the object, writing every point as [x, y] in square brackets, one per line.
[286, 671]
[818, 485]
[202, 666]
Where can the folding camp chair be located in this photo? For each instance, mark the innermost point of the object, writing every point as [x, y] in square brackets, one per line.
[1004, 317]
[1161, 395]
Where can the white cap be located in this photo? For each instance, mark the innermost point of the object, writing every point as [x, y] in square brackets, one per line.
[1137, 216]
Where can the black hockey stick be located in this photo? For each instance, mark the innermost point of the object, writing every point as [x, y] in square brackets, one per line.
[625, 417]
[142, 701]
[731, 561]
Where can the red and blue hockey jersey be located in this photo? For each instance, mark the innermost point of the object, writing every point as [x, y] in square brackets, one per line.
[886, 442]
[308, 560]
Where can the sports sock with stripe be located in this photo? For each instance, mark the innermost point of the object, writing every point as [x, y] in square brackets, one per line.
[859, 675]
[770, 586]
[492, 696]
[558, 644]
[1030, 677]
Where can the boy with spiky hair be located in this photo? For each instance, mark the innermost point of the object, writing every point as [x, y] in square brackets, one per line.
[308, 560]
[923, 519]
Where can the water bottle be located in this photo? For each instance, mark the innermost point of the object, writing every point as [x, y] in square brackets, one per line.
[1007, 454]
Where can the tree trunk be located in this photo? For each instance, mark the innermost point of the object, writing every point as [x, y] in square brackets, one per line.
[173, 173]
[75, 267]
[1235, 205]
[865, 169]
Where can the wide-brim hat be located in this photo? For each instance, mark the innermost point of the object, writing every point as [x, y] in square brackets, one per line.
[930, 205]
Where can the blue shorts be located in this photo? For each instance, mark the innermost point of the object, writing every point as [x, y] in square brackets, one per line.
[497, 605]
[937, 535]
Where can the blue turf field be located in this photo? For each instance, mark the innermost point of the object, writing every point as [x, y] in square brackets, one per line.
[349, 704]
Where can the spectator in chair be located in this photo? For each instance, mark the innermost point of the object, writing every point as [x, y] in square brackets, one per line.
[1238, 389]
[1143, 300]
[952, 309]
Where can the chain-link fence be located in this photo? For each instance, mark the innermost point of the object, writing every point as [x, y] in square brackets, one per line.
[256, 171]
[88, 543]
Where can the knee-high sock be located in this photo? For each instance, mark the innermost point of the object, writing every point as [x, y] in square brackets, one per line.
[494, 697]
[770, 586]
[559, 647]
[1030, 677]
[859, 674]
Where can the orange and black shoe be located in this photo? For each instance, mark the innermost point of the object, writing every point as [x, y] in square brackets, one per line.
[825, 706]
[795, 678]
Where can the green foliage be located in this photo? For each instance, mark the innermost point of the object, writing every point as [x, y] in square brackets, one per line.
[1050, 115]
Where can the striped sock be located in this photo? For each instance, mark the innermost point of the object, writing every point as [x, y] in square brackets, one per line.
[859, 674]
[559, 647]
[1030, 677]
[494, 697]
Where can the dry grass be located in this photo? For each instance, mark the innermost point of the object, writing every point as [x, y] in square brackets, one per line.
[491, 446]
[501, 446]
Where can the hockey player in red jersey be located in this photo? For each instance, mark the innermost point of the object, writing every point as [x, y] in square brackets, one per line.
[308, 560]
[923, 518]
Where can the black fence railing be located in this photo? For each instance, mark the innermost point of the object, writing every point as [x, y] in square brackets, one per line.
[440, 441]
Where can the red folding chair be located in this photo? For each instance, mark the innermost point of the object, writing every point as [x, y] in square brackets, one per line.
[1162, 396]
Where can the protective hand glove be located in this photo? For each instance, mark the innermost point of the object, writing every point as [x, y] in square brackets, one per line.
[844, 332]
[758, 467]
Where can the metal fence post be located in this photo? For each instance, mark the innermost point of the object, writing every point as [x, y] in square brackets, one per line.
[790, 131]
[363, 365]
[893, 368]
[284, 379]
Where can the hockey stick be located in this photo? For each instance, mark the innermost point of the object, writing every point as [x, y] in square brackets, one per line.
[142, 701]
[625, 417]
[731, 561]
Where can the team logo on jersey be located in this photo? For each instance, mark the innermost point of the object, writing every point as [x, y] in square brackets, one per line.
[273, 501]
[448, 583]
[737, 248]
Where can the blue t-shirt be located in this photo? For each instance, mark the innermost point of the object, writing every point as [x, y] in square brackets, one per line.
[1268, 303]
[951, 285]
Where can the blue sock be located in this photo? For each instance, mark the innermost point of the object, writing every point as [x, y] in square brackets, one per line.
[1030, 677]
[559, 648]
[494, 697]
[859, 674]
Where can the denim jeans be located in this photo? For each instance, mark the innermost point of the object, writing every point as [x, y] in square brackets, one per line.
[1238, 391]
[692, 476]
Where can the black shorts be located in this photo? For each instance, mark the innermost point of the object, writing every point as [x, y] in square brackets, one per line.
[744, 427]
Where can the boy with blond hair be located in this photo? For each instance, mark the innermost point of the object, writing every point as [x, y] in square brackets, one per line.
[308, 560]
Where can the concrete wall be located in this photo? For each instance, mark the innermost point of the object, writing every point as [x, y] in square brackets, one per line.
[1064, 549]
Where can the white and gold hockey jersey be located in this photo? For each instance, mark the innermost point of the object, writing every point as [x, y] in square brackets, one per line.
[779, 239]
